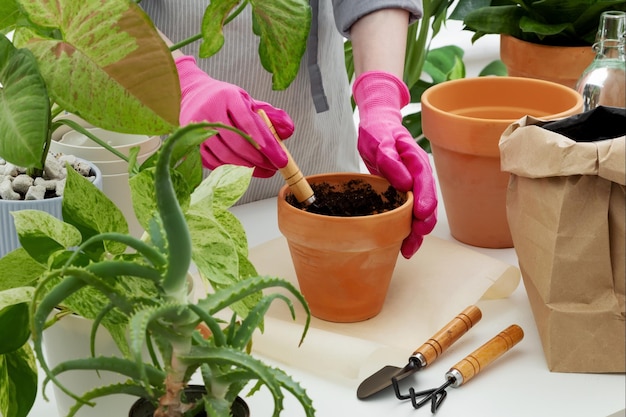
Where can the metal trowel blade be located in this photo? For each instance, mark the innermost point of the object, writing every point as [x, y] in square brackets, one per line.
[381, 379]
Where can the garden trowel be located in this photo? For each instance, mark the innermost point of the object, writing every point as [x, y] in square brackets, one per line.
[424, 355]
[299, 186]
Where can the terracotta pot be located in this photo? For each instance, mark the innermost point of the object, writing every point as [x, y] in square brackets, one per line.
[144, 408]
[559, 64]
[464, 119]
[344, 264]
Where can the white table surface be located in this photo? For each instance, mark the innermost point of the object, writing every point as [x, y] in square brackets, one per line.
[518, 384]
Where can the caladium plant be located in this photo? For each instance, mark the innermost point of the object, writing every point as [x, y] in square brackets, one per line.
[85, 266]
[67, 57]
[107, 64]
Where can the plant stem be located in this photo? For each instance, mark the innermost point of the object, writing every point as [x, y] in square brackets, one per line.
[198, 36]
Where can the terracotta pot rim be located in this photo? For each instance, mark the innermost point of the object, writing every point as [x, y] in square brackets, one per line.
[531, 82]
[284, 190]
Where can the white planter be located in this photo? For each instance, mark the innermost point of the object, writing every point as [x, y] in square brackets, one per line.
[8, 234]
[114, 170]
[69, 339]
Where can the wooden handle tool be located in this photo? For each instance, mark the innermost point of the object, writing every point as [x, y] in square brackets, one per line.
[423, 355]
[291, 172]
[476, 361]
[466, 369]
[450, 333]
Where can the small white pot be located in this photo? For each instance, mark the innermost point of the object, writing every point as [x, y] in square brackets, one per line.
[69, 339]
[114, 170]
[8, 235]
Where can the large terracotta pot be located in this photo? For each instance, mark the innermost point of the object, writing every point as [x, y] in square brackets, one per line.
[464, 119]
[559, 64]
[344, 264]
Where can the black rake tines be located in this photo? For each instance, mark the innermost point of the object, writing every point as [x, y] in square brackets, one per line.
[435, 395]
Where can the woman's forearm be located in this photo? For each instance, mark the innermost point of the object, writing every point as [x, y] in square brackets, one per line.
[379, 41]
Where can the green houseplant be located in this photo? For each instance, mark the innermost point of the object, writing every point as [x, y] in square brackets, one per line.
[113, 73]
[146, 291]
[545, 39]
[66, 58]
[119, 68]
[548, 22]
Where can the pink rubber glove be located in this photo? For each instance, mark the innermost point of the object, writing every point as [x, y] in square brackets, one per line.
[389, 150]
[207, 99]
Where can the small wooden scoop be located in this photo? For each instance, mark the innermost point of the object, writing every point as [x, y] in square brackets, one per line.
[291, 173]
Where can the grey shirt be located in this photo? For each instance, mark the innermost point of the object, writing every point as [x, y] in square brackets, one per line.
[323, 141]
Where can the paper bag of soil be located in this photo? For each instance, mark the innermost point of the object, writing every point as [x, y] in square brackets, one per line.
[566, 210]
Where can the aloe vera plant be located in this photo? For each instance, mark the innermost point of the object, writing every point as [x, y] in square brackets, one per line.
[101, 61]
[162, 317]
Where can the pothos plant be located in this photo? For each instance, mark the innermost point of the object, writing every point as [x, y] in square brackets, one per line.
[147, 290]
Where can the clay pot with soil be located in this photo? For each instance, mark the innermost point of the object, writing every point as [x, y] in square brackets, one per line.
[344, 247]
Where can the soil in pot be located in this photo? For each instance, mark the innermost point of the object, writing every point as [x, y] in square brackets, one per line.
[144, 408]
[354, 198]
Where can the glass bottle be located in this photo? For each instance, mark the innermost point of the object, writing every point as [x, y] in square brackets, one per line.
[604, 81]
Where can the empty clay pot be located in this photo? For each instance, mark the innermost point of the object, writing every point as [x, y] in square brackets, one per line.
[464, 119]
[344, 264]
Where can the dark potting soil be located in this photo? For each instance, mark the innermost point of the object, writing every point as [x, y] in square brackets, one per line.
[144, 408]
[354, 198]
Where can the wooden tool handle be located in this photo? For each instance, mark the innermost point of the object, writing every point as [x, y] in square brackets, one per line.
[476, 361]
[291, 172]
[449, 334]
